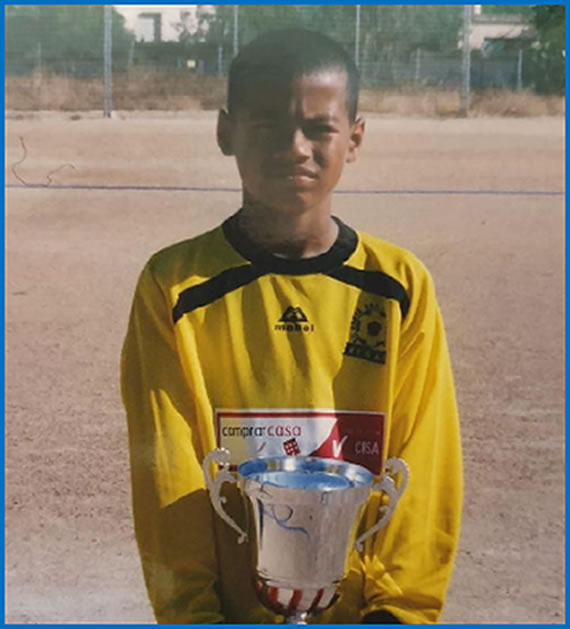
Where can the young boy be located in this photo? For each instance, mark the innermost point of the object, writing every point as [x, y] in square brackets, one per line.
[284, 331]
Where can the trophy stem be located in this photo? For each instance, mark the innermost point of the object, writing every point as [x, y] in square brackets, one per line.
[299, 618]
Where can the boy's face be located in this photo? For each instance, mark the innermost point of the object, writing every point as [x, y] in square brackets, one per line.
[292, 140]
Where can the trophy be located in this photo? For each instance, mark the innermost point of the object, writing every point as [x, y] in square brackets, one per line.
[306, 512]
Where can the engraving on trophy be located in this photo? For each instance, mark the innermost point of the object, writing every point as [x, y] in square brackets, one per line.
[281, 514]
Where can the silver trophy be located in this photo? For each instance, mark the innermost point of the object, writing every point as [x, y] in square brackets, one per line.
[306, 512]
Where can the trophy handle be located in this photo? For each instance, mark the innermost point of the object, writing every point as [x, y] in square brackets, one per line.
[221, 456]
[386, 483]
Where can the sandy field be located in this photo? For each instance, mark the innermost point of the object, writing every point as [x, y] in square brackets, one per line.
[480, 201]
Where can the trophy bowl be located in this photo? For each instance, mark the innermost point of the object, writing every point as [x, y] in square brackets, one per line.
[306, 512]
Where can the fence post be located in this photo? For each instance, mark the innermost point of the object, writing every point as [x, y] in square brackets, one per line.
[131, 55]
[418, 65]
[37, 75]
[220, 65]
[107, 61]
[519, 70]
[357, 37]
[466, 64]
[39, 58]
[236, 18]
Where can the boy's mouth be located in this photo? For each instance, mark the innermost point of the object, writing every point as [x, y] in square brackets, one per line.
[296, 175]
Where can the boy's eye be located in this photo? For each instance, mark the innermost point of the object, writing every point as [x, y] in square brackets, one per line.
[319, 128]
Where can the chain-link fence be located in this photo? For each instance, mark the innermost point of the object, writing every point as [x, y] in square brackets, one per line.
[163, 56]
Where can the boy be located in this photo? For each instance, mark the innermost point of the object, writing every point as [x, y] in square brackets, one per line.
[276, 332]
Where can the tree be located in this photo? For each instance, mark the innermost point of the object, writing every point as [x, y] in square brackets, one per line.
[195, 25]
[520, 10]
[62, 38]
[337, 21]
[549, 22]
[389, 34]
[393, 34]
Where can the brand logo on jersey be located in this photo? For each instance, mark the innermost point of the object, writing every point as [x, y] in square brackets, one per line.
[294, 320]
[368, 333]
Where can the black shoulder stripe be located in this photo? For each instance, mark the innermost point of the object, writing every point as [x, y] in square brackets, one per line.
[214, 288]
[374, 282]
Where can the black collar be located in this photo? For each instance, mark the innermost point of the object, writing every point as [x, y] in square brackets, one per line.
[342, 249]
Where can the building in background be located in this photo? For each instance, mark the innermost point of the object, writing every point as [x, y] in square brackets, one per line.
[489, 32]
[153, 23]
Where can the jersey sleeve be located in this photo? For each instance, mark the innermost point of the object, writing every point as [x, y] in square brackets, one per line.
[172, 513]
[407, 567]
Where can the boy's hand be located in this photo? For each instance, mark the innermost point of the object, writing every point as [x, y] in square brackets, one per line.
[380, 617]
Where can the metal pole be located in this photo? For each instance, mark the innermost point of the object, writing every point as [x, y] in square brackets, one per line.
[357, 37]
[220, 51]
[131, 55]
[519, 70]
[39, 58]
[236, 18]
[38, 78]
[418, 65]
[107, 61]
[466, 65]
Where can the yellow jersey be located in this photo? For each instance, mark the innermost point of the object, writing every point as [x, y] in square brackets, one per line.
[341, 355]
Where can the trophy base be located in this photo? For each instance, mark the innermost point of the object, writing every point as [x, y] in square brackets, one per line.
[294, 604]
[299, 618]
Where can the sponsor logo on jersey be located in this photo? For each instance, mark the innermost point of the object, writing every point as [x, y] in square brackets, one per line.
[354, 436]
[291, 447]
[294, 320]
[368, 333]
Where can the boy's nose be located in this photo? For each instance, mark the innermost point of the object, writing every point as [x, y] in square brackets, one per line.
[297, 145]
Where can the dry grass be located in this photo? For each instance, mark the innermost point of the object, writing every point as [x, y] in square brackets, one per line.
[411, 102]
[134, 91]
[523, 103]
[145, 91]
[38, 91]
[432, 102]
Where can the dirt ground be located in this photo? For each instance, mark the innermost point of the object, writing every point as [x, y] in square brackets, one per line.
[73, 256]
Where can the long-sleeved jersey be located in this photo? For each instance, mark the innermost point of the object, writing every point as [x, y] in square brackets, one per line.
[341, 355]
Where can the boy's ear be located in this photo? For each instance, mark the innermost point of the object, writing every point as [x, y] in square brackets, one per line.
[355, 140]
[224, 132]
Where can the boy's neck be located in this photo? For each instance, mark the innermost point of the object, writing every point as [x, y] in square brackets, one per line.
[303, 235]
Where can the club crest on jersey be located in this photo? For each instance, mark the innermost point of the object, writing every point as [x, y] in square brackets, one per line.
[294, 320]
[368, 333]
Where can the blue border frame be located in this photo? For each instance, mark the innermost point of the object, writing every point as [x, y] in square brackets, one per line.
[260, 2]
[567, 286]
[3, 368]
[416, 2]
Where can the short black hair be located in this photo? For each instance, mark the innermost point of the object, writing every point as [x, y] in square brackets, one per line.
[286, 54]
